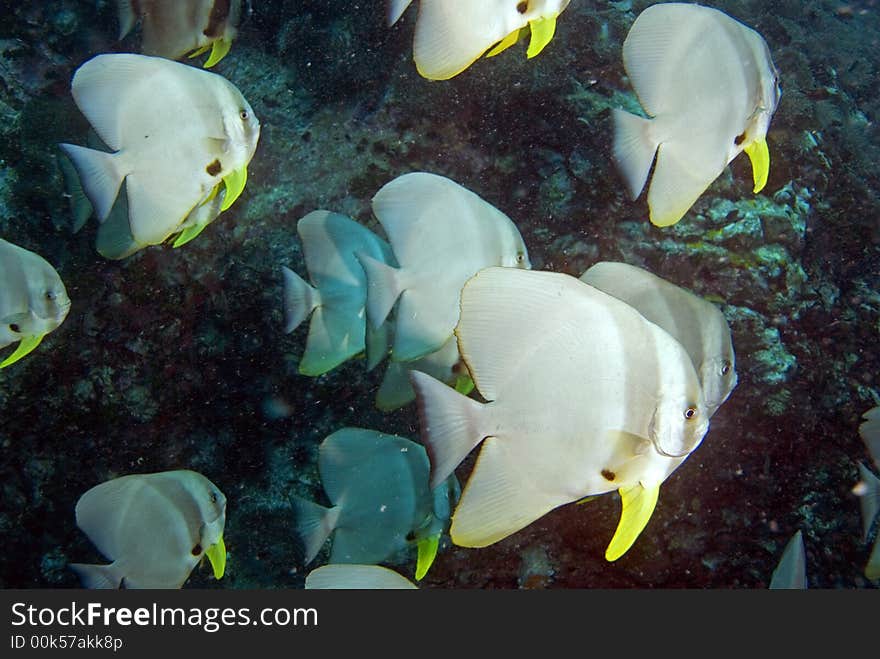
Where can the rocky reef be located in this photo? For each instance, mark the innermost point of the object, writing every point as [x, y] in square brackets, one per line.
[176, 358]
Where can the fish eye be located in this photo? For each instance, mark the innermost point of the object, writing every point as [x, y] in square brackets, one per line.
[244, 115]
[50, 295]
[690, 413]
[725, 368]
[520, 257]
[213, 497]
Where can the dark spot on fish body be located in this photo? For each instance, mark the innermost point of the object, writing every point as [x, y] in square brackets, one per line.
[608, 475]
[217, 20]
[522, 7]
[739, 139]
[214, 168]
[197, 550]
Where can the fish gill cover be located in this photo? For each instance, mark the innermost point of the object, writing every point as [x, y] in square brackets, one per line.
[177, 358]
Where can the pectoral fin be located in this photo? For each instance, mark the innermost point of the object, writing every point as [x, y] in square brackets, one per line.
[505, 43]
[759, 154]
[218, 51]
[235, 182]
[26, 345]
[638, 505]
[427, 554]
[463, 384]
[542, 32]
[217, 555]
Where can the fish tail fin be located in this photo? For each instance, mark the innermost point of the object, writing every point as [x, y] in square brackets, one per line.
[300, 299]
[314, 523]
[450, 424]
[97, 576]
[127, 16]
[80, 206]
[99, 175]
[395, 390]
[633, 150]
[383, 288]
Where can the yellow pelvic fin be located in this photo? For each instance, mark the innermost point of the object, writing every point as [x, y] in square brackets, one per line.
[505, 43]
[427, 554]
[25, 346]
[543, 30]
[188, 234]
[218, 51]
[759, 154]
[638, 504]
[199, 51]
[235, 182]
[463, 384]
[217, 555]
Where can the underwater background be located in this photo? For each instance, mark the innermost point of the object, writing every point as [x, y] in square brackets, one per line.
[177, 358]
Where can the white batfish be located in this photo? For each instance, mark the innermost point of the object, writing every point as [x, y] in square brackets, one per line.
[395, 391]
[381, 503]
[585, 396]
[174, 28]
[177, 133]
[33, 300]
[711, 88]
[868, 488]
[698, 325]
[337, 295]
[441, 234]
[356, 577]
[791, 572]
[450, 35]
[154, 527]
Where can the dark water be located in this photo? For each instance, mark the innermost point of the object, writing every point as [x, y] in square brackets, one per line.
[176, 358]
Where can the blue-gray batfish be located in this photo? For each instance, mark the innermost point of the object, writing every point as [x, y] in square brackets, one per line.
[696, 323]
[180, 138]
[339, 576]
[114, 234]
[450, 35]
[791, 571]
[710, 87]
[154, 527]
[337, 295]
[380, 500]
[33, 300]
[585, 396]
[175, 28]
[441, 234]
[395, 390]
[868, 488]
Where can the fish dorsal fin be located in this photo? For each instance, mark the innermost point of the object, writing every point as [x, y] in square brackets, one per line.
[638, 505]
[356, 577]
[396, 9]
[102, 510]
[655, 47]
[523, 305]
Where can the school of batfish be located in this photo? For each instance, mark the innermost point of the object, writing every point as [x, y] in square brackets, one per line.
[587, 385]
